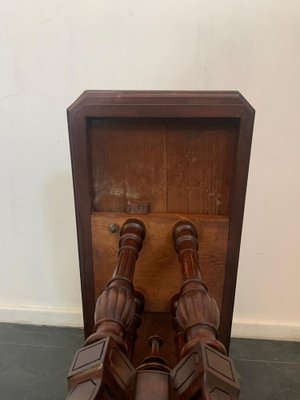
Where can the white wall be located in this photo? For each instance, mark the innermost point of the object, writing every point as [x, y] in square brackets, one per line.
[53, 50]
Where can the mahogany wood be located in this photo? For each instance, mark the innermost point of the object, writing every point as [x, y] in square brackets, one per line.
[177, 165]
[197, 313]
[159, 324]
[115, 311]
[157, 275]
[102, 369]
[205, 372]
[192, 150]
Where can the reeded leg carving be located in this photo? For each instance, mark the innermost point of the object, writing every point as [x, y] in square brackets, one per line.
[116, 307]
[204, 372]
[131, 331]
[197, 312]
[102, 370]
[179, 338]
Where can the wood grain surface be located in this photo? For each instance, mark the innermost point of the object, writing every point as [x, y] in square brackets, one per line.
[157, 273]
[184, 152]
[177, 165]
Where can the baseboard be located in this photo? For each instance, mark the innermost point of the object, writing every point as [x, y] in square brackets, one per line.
[65, 316]
[33, 315]
[272, 330]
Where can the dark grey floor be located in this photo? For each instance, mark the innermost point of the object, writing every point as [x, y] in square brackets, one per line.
[34, 362]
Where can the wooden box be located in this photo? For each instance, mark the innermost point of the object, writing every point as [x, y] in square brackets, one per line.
[186, 154]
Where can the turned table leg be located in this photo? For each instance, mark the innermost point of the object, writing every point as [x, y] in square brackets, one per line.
[204, 372]
[102, 369]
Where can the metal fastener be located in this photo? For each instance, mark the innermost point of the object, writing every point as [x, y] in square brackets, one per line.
[113, 228]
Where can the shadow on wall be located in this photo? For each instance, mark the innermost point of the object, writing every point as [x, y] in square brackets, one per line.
[62, 266]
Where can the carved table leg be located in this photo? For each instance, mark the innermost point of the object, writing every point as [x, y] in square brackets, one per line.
[204, 372]
[179, 338]
[131, 331]
[102, 370]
